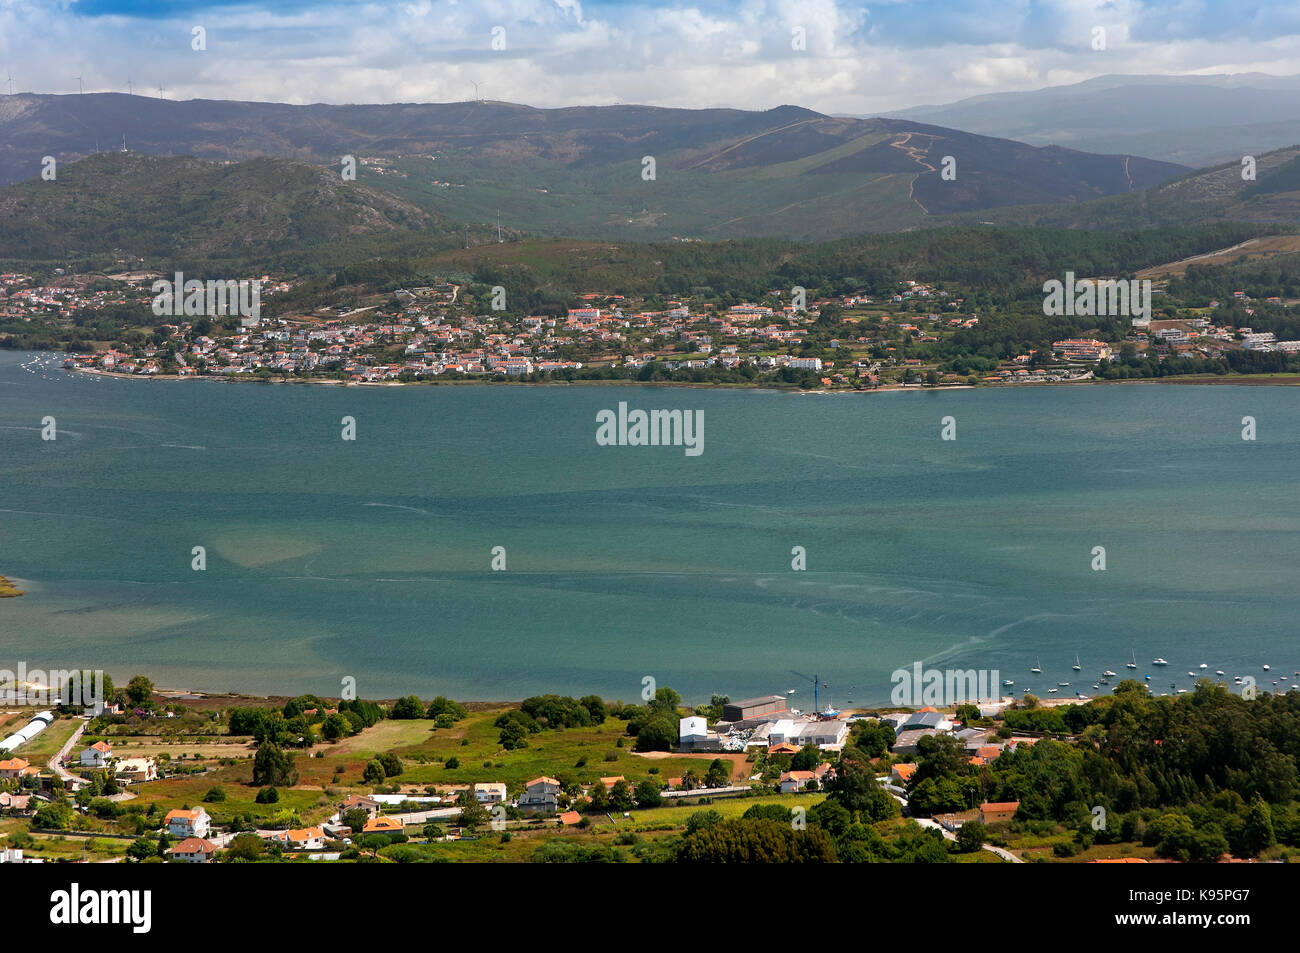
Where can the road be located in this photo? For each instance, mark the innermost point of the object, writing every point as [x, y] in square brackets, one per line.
[56, 763]
[898, 793]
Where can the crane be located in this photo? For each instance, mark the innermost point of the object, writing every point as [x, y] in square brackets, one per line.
[817, 684]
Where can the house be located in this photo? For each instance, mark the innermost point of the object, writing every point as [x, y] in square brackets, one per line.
[783, 747]
[97, 755]
[16, 768]
[191, 823]
[991, 812]
[792, 781]
[15, 803]
[306, 838]
[137, 770]
[382, 825]
[902, 773]
[540, 794]
[569, 818]
[360, 802]
[193, 850]
[490, 792]
[611, 781]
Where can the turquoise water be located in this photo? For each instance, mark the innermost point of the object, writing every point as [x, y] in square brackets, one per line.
[371, 559]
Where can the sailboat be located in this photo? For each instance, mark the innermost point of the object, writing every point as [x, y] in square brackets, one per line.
[1132, 661]
[1038, 667]
[1075, 666]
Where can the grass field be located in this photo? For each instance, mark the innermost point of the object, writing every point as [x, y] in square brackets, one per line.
[47, 744]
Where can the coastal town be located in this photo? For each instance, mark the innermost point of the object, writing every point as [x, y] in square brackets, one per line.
[167, 776]
[444, 332]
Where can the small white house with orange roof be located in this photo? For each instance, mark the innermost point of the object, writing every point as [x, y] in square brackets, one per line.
[192, 823]
[97, 755]
[305, 838]
[193, 850]
[382, 825]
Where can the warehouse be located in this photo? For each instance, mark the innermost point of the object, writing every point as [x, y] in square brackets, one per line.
[753, 708]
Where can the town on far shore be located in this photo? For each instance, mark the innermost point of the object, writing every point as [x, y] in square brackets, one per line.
[447, 330]
[148, 775]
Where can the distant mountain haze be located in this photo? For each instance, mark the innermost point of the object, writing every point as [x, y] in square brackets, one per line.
[1193, 120]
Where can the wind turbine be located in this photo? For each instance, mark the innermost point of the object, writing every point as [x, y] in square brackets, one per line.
[476, 86]
[162, 91]
[129, 88]
[500, 240]
[80, 88]
[10, 77]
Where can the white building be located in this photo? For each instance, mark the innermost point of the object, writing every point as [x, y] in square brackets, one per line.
[692, 729]
[490, 792]
[97, 755]
[192, 823]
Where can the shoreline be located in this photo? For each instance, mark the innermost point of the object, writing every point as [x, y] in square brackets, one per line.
[1252, 380]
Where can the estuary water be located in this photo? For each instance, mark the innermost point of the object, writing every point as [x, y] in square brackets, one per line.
[372, 558]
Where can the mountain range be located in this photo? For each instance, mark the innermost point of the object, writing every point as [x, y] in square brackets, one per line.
[605, 172]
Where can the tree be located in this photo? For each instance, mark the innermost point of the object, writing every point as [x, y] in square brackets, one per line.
[244, 847]
[268, 796]
[334, 727]
[355, 818]
[408, 708]
[756, 841]
[215, 795]
[666, 700]
[855, 787]
[513, 735]
[718, 775]
[970, 837]
[55, 816]
[1257, 834]
[139, 691]
[472, 813]
[374, 773]
[445, 706]
[141, 848]
[648, 795]
[392, 764]
[271, 766]
[806, 758]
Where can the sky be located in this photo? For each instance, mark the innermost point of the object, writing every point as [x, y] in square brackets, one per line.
[830, 55]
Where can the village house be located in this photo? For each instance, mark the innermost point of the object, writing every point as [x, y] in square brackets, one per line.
[191, 823]
[15, 803]
[361, 803]
[137, 770]
[15, 769]
[97, 755]
[193, 850]
[490, 792]
[991, 812]
[308, 838]
[540, 794]
[382, 825]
